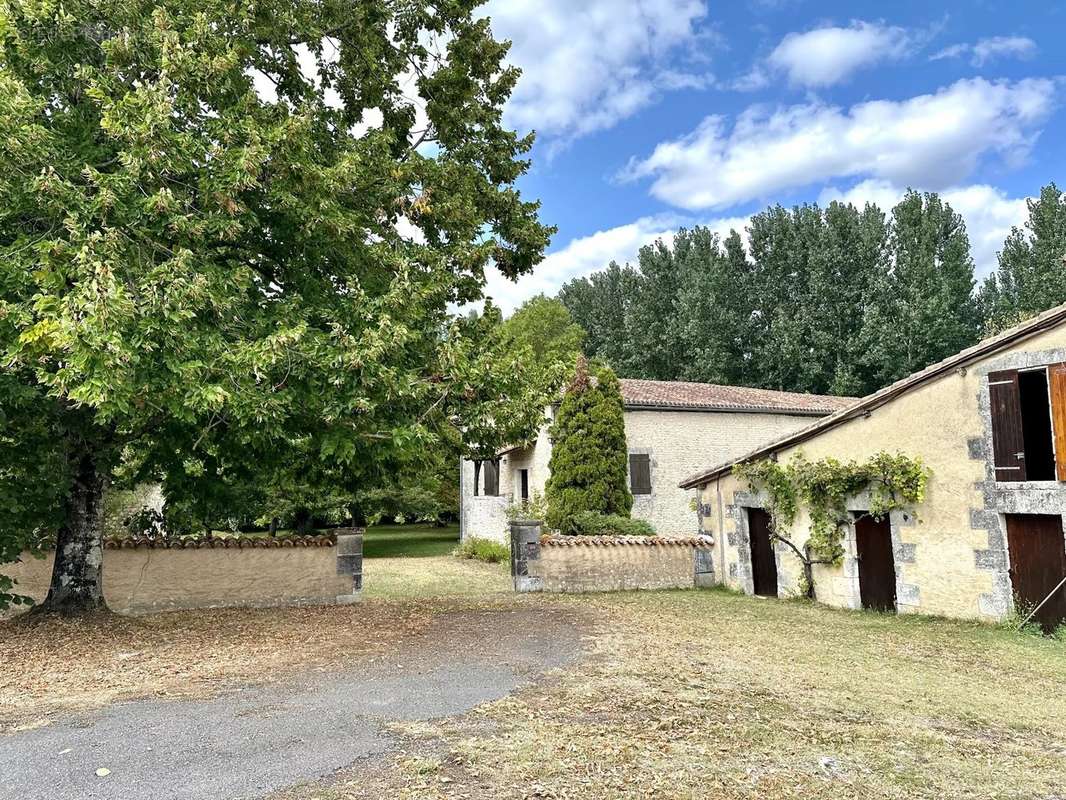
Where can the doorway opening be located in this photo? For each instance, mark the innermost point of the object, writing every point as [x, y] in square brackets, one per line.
[877, 563]
[1036, 425]
[763, 559]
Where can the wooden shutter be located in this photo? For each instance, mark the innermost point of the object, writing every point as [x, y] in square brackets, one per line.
[1008, 443]
[640, 473]
[1056, 378]
[492, 478]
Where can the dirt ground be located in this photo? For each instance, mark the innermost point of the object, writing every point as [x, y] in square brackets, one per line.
[677, 695]
[707, 694]
[53, 665]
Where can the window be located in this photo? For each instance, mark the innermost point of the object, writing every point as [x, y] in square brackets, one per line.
[1029, 423]
[640, 473]
[492, 478]
[524, 481]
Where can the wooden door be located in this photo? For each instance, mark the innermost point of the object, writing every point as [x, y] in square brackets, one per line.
[763, 560]
[1037, 564]
[877, 565]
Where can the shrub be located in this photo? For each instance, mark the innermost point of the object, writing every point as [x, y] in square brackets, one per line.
[536, 507]
[589, 523]
[589, 463]
[487, 550]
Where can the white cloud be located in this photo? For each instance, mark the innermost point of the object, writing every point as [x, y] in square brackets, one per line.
[587, 66]
[988, 211]
[826, 56]
[935, 140]
[986, 50]
[587, 254]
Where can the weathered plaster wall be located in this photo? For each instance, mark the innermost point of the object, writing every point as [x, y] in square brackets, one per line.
[605, 564]
[952, 559]
[145, 579]
[680, 443]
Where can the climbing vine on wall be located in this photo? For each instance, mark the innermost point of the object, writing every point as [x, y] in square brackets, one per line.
[892, 481]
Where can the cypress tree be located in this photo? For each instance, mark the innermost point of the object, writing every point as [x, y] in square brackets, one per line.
[589, 462]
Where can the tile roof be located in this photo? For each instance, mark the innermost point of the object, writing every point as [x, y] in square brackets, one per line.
[709, 396]
[1034, 326]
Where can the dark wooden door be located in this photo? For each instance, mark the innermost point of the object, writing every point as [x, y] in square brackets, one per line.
[877, 565]
[763, 561]
[1037, 564]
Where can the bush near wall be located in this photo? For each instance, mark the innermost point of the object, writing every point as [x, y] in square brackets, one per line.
[589, 523]
[487, 550]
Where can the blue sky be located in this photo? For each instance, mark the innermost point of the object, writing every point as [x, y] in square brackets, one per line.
[656, 114]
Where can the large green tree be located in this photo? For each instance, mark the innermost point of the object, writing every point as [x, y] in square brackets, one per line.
[715, 308]
[601, 305]
[201, 207]
[546, 327]
[836, 300]
[657, 347]
[589, 465]
[924, 308]
[1031, 276]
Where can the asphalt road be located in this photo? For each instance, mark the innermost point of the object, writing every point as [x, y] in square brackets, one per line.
[250, 742]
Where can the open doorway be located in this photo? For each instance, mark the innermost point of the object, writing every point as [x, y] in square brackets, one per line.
[1036, 425]
[763, 558]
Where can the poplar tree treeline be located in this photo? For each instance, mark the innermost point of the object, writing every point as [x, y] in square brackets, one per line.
[835, 300]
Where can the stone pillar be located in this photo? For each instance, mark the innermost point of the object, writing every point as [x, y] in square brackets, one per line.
[350, 561]
[703, 566]
[525, 547]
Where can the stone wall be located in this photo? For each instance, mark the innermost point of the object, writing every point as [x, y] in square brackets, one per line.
[950, 557]
[141, 577]
[611, 563]
[681, 442]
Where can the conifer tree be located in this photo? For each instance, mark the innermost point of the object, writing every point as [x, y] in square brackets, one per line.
[589, 462]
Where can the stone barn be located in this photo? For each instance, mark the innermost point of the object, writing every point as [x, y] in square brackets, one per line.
[990, 423]
[671, 428]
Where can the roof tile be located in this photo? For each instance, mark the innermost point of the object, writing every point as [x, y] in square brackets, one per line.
[710, 396]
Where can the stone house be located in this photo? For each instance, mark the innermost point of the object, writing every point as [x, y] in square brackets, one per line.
[990, 422]
[671, 427]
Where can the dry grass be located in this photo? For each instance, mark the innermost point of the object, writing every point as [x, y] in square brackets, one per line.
[705, 694]
[681, 695]
[52, 664]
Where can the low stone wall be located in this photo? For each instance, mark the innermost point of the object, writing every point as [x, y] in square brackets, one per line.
[608, 563]
[142, 576]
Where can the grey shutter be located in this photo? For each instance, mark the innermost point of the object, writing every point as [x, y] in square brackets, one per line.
[1008, 442]
[640, 473]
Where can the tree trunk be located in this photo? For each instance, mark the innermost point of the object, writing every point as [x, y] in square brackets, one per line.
[77, 583]
[808, 570]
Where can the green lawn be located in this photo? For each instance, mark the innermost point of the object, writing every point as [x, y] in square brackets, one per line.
[413, 541]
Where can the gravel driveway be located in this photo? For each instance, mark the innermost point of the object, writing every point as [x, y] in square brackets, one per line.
[249, 742]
